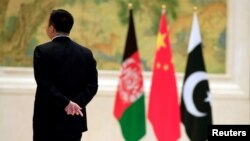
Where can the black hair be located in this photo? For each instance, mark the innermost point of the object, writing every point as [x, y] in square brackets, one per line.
[62, 20]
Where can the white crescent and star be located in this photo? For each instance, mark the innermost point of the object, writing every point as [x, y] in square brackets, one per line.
[191, 82]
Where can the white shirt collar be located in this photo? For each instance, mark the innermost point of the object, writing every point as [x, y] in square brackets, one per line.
[60, 35]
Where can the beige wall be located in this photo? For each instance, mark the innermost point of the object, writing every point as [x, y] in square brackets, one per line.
[230, 91]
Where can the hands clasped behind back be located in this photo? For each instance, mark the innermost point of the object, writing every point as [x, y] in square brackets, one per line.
[73, 109]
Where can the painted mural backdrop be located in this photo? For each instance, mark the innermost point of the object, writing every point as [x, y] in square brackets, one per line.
[101, 25]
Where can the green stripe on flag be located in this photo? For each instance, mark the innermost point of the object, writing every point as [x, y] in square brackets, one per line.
[133, 121]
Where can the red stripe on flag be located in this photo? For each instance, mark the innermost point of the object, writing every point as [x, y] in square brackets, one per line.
[164, 112]
[130, 86]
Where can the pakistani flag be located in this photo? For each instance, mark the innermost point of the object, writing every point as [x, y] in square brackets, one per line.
[195, 101]
[129, 107]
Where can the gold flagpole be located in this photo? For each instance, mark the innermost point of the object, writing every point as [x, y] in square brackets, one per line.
[195, 9]
[130, 6]
[163, 8]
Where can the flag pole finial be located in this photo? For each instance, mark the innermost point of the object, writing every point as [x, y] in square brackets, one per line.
[130, 5]
[163, 6]
[195, 8]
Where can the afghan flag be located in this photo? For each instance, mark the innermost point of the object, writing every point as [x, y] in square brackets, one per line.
[195, 101]
[129, 107]
[164, 111]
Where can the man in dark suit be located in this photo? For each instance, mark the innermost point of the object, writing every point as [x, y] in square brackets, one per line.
[67, 80]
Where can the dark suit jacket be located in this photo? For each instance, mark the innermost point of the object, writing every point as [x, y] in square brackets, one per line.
[64, 70]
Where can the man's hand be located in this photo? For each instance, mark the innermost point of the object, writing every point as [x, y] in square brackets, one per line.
[73, 109]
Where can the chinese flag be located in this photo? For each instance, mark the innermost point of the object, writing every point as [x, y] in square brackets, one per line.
[164, 112]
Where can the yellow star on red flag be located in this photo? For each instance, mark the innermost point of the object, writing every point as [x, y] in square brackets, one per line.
[161, 40]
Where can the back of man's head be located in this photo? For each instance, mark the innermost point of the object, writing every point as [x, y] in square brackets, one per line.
[61, 20]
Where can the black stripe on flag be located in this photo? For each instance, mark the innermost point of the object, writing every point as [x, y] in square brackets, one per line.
[131, 44]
